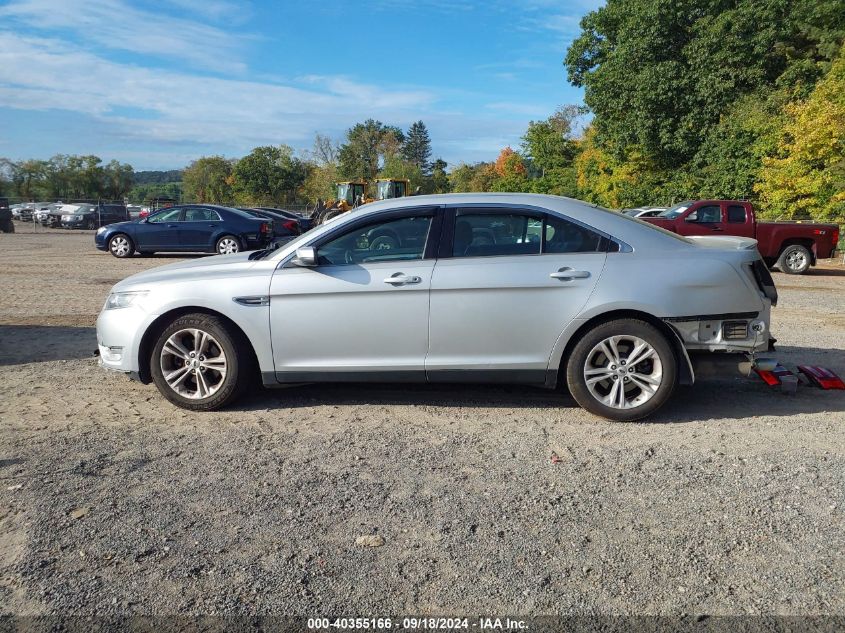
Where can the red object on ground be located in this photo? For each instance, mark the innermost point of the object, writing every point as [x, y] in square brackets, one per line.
[822, 377]
[772, 377]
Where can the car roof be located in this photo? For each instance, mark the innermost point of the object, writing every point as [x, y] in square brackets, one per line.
[637, 233]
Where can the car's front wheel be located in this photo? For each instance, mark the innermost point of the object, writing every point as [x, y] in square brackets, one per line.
[200, 363]
[120, 245]
[227, 245]
[622, 370]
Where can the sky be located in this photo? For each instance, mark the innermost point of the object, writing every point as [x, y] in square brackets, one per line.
[158, 84]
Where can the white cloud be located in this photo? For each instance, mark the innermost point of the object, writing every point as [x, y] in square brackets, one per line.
[117, 25]
[38, 74]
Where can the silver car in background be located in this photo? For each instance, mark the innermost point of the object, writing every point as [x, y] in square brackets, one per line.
[480, 288]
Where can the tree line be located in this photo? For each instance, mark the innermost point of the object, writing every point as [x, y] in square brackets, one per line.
[65, 177]
[685, 99]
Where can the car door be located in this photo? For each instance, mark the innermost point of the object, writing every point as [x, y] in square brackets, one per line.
[160, 231]
[197, 227]
[506, 284]
[362, 312]
[704, 220]
[738, 219]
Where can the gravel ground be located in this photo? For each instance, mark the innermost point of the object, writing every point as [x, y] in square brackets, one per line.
[112, 501]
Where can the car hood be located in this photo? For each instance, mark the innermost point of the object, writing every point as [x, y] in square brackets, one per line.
[215, 266]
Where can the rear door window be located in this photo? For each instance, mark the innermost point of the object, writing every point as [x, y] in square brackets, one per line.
[496, 234]
[201, 215]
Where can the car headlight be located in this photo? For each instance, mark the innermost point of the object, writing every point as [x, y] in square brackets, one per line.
[102, 229]
[124, 299]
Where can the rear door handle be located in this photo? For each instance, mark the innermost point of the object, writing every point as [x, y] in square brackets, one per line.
[567, 274]
[401, 279]
[173, 226]
[717, 228]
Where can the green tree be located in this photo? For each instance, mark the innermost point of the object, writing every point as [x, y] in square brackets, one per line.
[118, 178]
[209, 179]
[659, 74]
[367, 145]
[549, 144]
[473, 178]
[417, 147]
[806, 177]
[438, 181]
[398, 167]
[269, 174]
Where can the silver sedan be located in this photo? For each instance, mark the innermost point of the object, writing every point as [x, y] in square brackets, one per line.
[481, 288]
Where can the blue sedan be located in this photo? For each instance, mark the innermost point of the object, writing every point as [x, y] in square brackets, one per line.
[187, 228]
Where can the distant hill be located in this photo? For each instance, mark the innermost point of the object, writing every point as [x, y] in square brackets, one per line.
[157, 177]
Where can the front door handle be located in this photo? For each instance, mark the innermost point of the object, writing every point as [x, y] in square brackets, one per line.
[173, 226]
[716, 228]
[567, 274]
[401, 279]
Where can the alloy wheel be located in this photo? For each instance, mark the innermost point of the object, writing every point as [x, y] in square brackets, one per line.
[623, 372]
[193, 364]
[796, 260]
[120, 246]
[227, 246]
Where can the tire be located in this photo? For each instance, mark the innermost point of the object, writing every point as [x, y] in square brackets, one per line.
[91, 225]
[227, 245]
[120, 245]
[644, 390]
[795, 260]
[203, 388]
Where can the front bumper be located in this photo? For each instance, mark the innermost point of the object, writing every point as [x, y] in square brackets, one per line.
[119, 335]
[73, 224]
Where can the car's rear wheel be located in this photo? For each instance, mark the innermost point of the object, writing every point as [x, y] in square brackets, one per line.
[120, 245]
[200, 363]
[227, 245]
[795, 260]
[622, 370]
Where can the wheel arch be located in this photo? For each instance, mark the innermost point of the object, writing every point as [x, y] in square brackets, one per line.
[806, 242]
[686, 375]
[148, 340]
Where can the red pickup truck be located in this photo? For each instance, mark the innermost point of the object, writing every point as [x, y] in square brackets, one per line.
[791, 246]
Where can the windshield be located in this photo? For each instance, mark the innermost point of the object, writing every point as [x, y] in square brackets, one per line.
[673, 212]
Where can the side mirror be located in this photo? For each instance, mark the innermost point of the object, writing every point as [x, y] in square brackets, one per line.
[692, 217]
[306, 256]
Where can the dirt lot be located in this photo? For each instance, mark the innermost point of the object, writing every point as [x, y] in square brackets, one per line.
[112, 501]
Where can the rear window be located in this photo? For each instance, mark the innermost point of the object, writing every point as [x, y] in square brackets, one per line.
[736, 214]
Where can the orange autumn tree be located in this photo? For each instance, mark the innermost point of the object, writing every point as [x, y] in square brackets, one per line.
[510, 171]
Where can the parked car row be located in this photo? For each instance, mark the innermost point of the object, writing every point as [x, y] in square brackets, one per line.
[203, 228]
[124, 230]
[77, 215]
